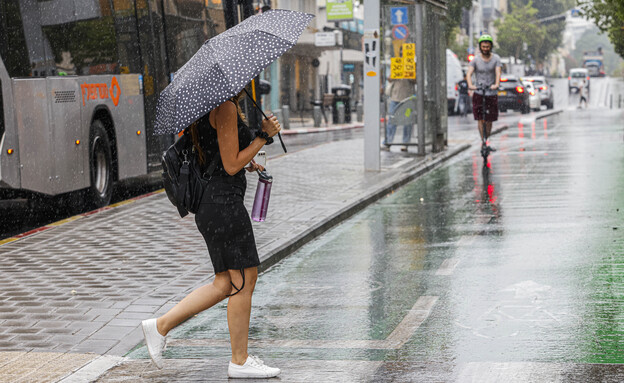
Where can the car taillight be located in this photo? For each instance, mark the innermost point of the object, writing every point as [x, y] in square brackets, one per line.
[569, 78]
[503, 79]
[544, 87]
[456, 87]
[531, 93]
[519, 89]
[587, 78]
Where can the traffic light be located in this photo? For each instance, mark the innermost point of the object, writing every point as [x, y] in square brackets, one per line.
[470, 57]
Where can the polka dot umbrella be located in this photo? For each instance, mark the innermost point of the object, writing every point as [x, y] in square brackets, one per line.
[224, 65]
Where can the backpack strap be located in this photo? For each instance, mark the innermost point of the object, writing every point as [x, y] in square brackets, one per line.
[213, 165]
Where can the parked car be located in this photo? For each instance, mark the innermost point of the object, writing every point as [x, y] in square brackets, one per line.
[544, 89]
[534, 98]
[575, 79]
[512, 95]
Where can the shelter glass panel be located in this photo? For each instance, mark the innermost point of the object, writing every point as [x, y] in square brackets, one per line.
[398, 68]
[434, 62]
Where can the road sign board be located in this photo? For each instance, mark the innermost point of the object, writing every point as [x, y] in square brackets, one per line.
[409, 50]
[398, 15]
[324, 39]
[396, 67]
[400, 32]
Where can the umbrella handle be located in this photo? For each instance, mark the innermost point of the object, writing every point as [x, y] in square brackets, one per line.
[265, 116]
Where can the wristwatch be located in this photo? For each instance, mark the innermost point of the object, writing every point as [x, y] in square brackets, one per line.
[265, 135]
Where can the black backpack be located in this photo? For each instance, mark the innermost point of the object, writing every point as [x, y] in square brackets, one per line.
[182, 176]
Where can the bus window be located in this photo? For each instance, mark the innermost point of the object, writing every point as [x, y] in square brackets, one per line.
[1, 113]
[189, 23]
[127, 38]
[20, 49]
[81, 36]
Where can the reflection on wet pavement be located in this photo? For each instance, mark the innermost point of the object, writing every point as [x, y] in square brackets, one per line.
[506, 273]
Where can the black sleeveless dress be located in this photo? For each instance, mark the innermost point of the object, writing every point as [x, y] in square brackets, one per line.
[222, 218]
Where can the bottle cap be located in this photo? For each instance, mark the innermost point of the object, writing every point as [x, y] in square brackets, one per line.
[264, 175]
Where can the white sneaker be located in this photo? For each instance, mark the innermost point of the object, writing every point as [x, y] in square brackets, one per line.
[154, 341]
[253, 368]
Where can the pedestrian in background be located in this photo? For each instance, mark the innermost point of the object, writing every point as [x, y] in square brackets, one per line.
[400, 89]
[462, 104]
[225, 225]
[584, 94]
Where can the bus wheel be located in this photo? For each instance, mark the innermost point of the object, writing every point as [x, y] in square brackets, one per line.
[100, 166]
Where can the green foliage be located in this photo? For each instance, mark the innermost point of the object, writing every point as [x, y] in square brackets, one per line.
[454, 17]
[522, 25]
[517, 28]
[609, 17]
[590, 41]
[459, 49]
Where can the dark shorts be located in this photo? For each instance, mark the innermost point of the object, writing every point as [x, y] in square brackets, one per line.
[491, 107]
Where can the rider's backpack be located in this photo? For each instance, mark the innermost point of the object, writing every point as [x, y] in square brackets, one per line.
[183, 179]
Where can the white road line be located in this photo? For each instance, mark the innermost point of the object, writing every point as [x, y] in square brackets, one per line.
[401, 334]
[448, 266]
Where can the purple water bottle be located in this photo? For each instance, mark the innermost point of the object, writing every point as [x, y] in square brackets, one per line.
[263, 192]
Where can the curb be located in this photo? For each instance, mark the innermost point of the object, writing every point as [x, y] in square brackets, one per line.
[292, 132]
[92, 370]
[355, 206]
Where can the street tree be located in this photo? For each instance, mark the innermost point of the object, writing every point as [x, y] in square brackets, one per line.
[609, 17]
[549, 25]
[519, 29]
[454, 17]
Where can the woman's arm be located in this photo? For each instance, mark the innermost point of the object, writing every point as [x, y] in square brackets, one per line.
[226, 123]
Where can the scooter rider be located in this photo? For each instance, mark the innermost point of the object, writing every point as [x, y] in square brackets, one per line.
[487, 70]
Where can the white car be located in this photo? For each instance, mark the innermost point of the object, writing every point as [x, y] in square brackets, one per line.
[575, 79]
[535, 101]
[544, 89]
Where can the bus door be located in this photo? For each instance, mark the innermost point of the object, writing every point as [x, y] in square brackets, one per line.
[155, 71]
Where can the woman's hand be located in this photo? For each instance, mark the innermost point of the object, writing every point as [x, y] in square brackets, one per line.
[271, 126]
[254, 166]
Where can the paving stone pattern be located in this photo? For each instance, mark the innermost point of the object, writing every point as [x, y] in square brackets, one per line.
[84, 286]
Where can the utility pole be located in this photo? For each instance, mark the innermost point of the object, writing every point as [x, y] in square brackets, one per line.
[372, 76]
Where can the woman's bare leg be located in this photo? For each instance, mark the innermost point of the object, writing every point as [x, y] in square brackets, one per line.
[199, 300]
[239, 311]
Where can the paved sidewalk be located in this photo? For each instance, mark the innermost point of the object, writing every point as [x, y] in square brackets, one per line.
[74, 294]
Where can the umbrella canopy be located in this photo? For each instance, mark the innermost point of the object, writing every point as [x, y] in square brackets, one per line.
[224, 65]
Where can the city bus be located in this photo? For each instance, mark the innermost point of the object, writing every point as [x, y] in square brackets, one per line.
[79, 82]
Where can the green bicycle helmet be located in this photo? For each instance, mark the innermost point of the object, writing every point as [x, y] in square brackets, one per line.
[486, 38]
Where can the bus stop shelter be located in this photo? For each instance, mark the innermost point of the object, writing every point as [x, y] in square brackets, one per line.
[412, 52]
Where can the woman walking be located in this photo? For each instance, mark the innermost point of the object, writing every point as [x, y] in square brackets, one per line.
[225, 225]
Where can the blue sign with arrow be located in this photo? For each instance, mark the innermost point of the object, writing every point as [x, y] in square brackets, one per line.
[398, 15]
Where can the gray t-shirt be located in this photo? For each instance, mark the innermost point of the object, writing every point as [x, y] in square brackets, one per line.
[485, 72]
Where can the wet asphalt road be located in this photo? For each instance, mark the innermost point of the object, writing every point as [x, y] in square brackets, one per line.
[508, 273]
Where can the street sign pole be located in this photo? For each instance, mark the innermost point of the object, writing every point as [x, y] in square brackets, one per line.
[372, 76]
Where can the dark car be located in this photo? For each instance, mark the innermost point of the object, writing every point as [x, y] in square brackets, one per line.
[512, 95]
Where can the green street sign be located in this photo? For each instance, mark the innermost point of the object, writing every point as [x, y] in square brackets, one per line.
[339, 10]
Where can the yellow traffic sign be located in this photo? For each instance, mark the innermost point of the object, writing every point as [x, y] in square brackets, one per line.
[396, 67]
